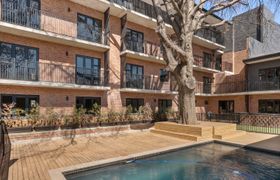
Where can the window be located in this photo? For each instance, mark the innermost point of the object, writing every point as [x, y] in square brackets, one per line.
[87, 102]
[89, 29]
[164, 105]
[259, 32]
[164, 75]
[270, 74]
[207, 85]
[134, 41]
[18, 62]
[88, 70]
[226, 106]
[134, 103]
[23, 103]
[269, 106]
[22, 12]
[207, 60]
[134, 76]
[218, 64]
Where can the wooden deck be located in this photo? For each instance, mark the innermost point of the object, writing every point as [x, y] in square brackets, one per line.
[33, 161]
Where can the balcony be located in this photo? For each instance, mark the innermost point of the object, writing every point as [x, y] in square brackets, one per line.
[246, 86]
[211, 35]
[146, 84]
[146, 51]
[51, 75]
[206, 66]
[41, 25]
[141, 7]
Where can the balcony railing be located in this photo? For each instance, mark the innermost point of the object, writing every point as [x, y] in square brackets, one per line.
[151, 82]
[200, 62]
[211, 35]
[141, 7]
[51, 72]
[245, 86]
[145, 47]
[18, 70]
[45, 21]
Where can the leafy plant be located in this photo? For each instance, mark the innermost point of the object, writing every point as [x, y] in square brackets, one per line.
[95, 110]
[7, 110]
[34, 115]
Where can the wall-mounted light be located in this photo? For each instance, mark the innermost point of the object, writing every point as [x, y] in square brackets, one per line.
[69, 10]
[67, 53]
[67, 98]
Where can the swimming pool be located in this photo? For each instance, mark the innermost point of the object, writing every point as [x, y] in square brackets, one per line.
[210, 161]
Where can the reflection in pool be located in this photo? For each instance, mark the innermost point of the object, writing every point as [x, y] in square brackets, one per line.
[211, 161]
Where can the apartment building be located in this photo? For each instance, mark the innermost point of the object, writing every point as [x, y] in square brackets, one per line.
[252, 46]
[66, 53]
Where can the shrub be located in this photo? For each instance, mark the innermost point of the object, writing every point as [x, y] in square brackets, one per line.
[7, 110]
[95, 110]
[34, 115]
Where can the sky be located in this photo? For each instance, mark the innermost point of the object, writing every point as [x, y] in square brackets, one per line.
[273, 5]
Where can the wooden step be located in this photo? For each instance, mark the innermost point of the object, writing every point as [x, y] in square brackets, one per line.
[177, 135]
[194, 130]
[224, 128]
[229, 134]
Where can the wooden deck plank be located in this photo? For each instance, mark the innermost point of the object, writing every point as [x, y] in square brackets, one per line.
[35, 160]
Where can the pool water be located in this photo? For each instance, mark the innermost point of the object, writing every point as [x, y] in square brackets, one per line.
[210, 161]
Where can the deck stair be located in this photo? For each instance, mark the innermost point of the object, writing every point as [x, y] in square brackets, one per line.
[189, 132]
[226, 131]
[202, 131]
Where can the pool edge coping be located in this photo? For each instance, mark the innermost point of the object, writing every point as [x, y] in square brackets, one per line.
[59, 174]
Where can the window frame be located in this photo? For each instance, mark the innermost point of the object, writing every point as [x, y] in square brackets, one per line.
[26, 97]
[164, 77]
[228, 105]
[139, 102]
[12, 56]
[129, 42]
[94, 100]
[94, 20]
[92, 69]
[207, 62]
[265, 102]
[162, 103]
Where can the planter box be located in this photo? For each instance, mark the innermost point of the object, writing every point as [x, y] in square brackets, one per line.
[108, 124]
[70, 126]
[46, 128]
[20, 129]
[89, 125]
[140, 126]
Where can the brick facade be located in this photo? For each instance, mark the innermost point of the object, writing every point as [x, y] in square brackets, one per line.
[62, 20]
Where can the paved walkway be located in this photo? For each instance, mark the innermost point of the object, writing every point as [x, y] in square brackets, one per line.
[33, 161]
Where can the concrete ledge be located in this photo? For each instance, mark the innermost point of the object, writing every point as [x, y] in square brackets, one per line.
[51, 85]
[146, 91]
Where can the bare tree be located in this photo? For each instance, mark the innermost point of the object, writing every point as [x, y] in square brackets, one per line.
[186, 17]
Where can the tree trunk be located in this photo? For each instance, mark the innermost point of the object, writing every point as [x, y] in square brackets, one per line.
[187, 110]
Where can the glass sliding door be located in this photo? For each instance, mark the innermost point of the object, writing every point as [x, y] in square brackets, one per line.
[18, 62]
[134, 76]
[87, 70]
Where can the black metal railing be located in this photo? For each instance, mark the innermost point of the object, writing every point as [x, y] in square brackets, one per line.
[27, 17]
[52, 72]
[141, 7]
[146, 47]
[151, 82]
[245, 86]
[5, 151]
[45, 21]
[211, 35]
[18, 70]
[199, 61]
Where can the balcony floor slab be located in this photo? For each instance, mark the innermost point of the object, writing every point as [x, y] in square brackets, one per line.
[51, 85]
